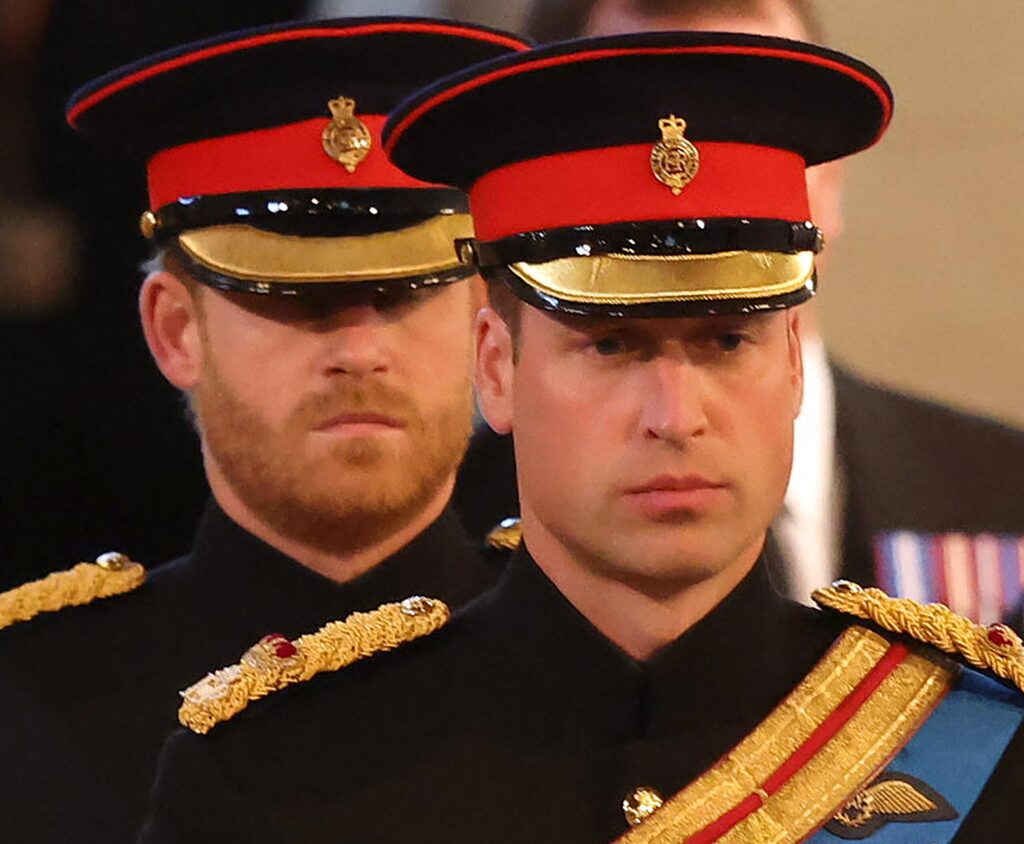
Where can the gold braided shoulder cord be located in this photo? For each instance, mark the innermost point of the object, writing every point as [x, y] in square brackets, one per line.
[111, 574]
[275, 662]
[996, 648]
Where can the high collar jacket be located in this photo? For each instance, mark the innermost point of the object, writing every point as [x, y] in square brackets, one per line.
[88, 694]
[519, 722]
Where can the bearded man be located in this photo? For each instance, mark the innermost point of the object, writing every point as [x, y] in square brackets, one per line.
[307, 298]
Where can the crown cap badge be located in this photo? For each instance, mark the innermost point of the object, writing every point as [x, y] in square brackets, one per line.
[674, 160]
[346, 138]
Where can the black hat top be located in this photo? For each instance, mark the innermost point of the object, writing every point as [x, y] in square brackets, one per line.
[263, 156]
[274, 75]
[628, 173]
[610, 91]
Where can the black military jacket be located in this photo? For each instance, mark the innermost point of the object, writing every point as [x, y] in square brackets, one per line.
[519, 722]
[88, 695]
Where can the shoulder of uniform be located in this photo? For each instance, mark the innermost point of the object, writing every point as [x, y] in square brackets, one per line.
[506, 535]
[995, 649]
[276, 662]
[111, 574]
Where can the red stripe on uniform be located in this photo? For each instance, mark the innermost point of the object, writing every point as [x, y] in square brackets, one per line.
[555, 61]
[803, 754]
[277, 38]
[935, 561]
[284, 157]
[616, 184]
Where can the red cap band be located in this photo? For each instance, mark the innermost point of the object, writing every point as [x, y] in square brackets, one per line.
[280, 158]
[616, 184]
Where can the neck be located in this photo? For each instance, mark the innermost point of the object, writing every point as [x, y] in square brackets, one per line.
[639, 618]
[339, 566]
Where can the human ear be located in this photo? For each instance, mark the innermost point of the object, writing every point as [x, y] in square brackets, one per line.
[494, 370]
[170, 323]
[796, 360]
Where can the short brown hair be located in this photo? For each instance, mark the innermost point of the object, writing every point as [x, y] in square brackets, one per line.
[558, 20]
[504, 302]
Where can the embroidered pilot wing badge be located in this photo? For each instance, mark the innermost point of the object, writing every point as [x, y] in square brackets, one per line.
[346, 138]
[674, 160]
[892, 798]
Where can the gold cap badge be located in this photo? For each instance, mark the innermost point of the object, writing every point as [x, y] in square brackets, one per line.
[674, 160]
[346, 138]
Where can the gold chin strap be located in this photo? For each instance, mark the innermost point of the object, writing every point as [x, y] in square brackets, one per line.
[255, 255]
[274, 662]
[639, 279]
[111, 574]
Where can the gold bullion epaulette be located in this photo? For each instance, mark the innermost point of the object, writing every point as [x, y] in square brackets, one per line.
[276, 662]
[111, 574]
[506, 536]
[995, 648]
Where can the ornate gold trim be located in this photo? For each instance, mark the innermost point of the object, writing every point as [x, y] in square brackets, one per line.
[995, 648]
[346, 139]
[274, 663]
[111, 574]
[253, 254]
[635, 279]
[882, 724]
[674, 160]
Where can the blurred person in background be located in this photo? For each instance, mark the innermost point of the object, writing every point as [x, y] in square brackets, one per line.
[886, 488]
[308, 300]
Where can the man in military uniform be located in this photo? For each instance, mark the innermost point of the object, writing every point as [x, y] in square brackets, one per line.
[877, 494]
[308, 299]
[642, 216]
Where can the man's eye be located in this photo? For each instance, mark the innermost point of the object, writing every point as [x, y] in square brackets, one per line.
[729, 342]
[611, 345]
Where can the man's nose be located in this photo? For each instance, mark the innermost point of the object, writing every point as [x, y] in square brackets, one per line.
[354, 341]
[674, 401]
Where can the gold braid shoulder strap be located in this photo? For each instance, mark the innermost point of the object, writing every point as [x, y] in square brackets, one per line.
[275, 662]
[111, 574]
[995, 648]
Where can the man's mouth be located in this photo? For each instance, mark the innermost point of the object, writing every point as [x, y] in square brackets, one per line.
[666, 494]
[359, 423]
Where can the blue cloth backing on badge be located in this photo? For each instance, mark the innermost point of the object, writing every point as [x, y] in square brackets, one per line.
[955, 753]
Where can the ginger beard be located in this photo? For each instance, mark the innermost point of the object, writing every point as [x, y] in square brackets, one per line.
[344, 494]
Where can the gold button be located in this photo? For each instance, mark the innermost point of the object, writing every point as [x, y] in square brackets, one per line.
[640, 804]
[148, 224]
[506, 536]
[112, 561]
[418, 605]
